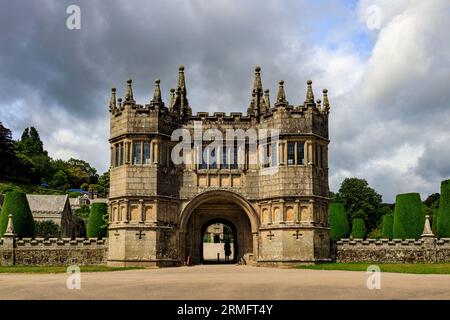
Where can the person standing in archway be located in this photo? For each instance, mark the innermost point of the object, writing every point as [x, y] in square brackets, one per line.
[227, 248]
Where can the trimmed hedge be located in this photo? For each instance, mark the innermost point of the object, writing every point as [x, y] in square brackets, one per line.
[337, 219]
[409, 217]
[359, 230]
[388, 223]
[16, 203]
[443, 214]
[96, 222]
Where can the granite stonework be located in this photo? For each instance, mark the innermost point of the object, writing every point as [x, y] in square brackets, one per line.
[424, 250]
[159, 209]
[52, 252]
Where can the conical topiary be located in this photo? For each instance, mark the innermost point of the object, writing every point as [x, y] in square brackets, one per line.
[359, 230]
[443, 214]
[339, 227]
[16, 203]
[409, 217]
[388, 223]
[96, 221]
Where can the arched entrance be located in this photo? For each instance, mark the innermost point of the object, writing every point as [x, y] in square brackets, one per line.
[222, 206]
[213, 241]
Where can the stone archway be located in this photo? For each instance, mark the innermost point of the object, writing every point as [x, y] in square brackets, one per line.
[218, 204]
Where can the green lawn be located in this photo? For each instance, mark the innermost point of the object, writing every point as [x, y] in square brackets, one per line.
[417, 268]
[36, 269]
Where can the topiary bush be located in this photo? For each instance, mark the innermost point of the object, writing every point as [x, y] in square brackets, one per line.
[443, 213]
[337, 219]
[359, 230]
[409, 217]
[47, 229]
[387, 225]
[16, 203]
[96, 226]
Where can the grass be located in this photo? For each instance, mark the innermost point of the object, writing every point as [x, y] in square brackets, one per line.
[27, 188]
[58, 269]
[415, 268]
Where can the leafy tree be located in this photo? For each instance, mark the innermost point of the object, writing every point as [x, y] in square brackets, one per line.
[359, 230]
[339, 227]
[103, 183]
[6, 151]
[60, 178]
[47, 229]
[16, 203]
[409, 217]
[96, 221]
[360, 201]
[388, 223]
[443, 216]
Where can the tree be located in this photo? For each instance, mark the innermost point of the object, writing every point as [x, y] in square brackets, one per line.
[360, 201]
[339, 227]
[388, 223]
[359, 230]
[443, 215]
[6, 151]
[59, 179]
[16, 203]
[103, 183]
[47, 229]
[409, 218]
[96, 221]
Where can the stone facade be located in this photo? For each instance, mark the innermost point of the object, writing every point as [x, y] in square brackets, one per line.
[158, 209]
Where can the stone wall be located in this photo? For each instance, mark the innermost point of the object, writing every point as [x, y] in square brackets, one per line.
[53, 252]
[429, 250]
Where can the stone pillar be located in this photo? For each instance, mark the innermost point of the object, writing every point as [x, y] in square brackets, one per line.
[8, 256]
[429, 242]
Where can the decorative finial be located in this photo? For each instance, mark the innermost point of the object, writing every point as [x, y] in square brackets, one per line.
[309, 94]
[427, 231]
[119, 104]
[157, 93]
[112, 101]
[129, 91]
[181, 79]
[10, 227]
[257, 84]
[319, 104]
[171, 99]
[266, 100]
[326, 103]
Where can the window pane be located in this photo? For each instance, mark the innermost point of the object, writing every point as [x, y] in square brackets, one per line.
[234, 152]
[224, 163]
[136, 152]
[117, 160]
[163, 154]
[212, 158]
[301, 153]
[291, 153]
[147, 152]
[122, 151]
[274, 154]
[204, 154]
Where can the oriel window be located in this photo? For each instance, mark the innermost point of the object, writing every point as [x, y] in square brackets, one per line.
[291, 153]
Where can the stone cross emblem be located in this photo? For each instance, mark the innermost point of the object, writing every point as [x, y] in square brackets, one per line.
[270, 235]
[140, 234]
[297, 235]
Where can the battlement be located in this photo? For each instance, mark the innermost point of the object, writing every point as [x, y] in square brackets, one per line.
[127, 116]
[59, 242]
[425, 249]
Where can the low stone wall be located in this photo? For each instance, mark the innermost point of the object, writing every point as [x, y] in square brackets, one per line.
[430, 250]
[53, 252]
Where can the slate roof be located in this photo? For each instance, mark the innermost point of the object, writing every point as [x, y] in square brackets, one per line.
[47, 203]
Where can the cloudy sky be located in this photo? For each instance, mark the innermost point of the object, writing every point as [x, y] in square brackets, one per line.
[386, 64]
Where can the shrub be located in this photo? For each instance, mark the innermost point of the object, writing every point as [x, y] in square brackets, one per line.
[409, 218]
[74, 194]
[96, 226]
[443, 213]
[337, 218]
[16, 203]
[388, 223]
[359, 230]
[47, 229]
